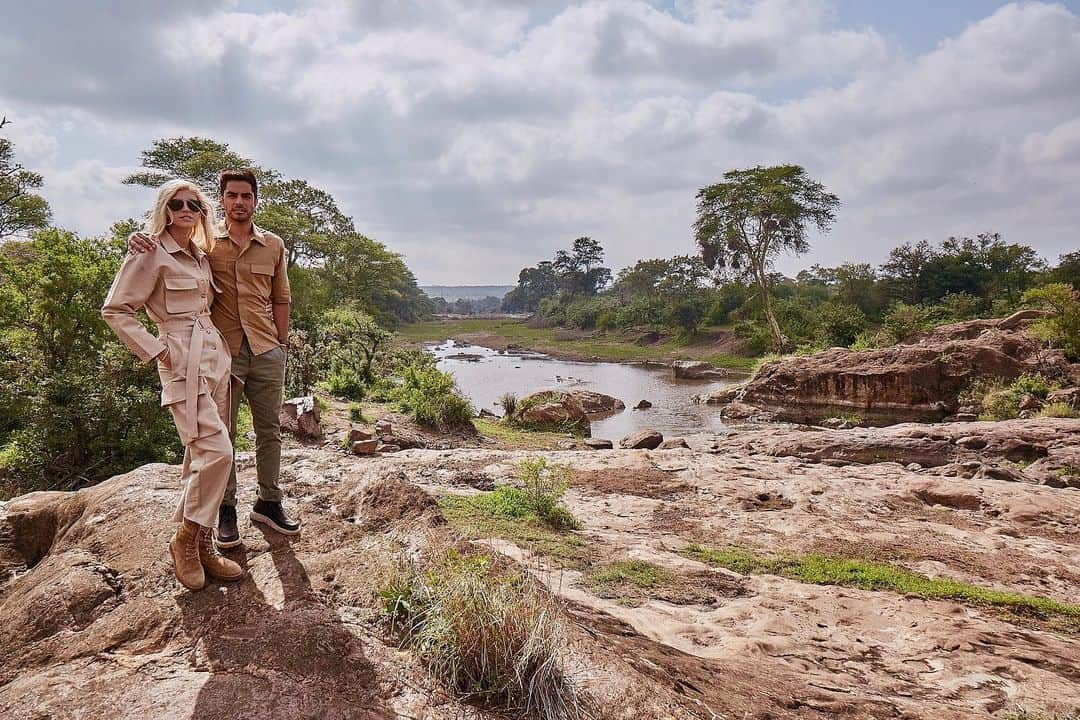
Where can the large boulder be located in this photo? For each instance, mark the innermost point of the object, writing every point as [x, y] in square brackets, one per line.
[300, 416]
[696, 370]
[559, 412]
[919, 381]
[594, 403]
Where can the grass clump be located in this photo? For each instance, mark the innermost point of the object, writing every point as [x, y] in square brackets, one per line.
[639, 573]
[872, 575]
[488, 633]
[530, 513]
[516, 436]
[998, 399]
[356, 413]
[1059, 410]
[509, 403]
[429, 396]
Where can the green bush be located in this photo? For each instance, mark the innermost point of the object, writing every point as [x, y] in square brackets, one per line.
[755, 336]
[1058, 410]
[839, 324]
[356, 413]
[1062, 329]
[508, 401]
[997, 399]
[641, 310]
[903, 322]
[430, 397]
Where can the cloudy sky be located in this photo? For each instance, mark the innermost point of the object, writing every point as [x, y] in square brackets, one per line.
[479, 136]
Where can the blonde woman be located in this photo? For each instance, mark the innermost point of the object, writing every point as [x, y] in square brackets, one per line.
[173, 283]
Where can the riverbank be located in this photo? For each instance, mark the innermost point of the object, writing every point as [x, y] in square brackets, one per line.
[717, 346]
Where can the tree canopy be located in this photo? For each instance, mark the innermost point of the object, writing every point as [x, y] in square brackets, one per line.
[21, 210]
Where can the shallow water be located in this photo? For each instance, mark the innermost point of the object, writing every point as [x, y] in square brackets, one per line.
[493, 373]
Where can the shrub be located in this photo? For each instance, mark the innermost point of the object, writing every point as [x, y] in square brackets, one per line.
[903, 322]
[1063, 328]
[756, 337]
[509, 403]
[997, 399]
[641, 310]
[839, 324]
[490, 634]
[544, 485]
[429, 396]
[960, 306]
[301, 365]
[356, 413]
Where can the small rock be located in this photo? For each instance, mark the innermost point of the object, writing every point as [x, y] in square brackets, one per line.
[971, 442]
[356, 435]
[365, 447]
[383, 427]
[643, 405]
[642, 440]
[934, 492]
[696, 370]
[566, 444]
[599, 444]
[387, 448]
[1029, 402]
[673, 443]
[300, 416]
[485, 413]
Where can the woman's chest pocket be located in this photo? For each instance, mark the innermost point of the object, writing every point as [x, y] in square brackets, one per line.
[184, 294]
[259, 277]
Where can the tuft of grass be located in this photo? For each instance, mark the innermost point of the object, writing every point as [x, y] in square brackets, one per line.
[489, 634]
[639, 573]
[508, 401]
[851, 418]
[356, 413]
[320, 401]
[516, 436]
[1059, 410]
[872, 575]
[530, 514]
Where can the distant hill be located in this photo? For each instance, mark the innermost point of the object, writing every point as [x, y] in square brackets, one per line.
[450, 293]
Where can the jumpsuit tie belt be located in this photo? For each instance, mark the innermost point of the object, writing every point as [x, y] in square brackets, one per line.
[199, 327]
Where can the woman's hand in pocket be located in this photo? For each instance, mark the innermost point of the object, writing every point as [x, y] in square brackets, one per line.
[164, 360]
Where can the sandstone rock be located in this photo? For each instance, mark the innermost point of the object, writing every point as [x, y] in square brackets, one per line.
[560, 412]
[673, 443]
[919, 381]
[404, 442]
[696, 370]
[356, 435]
[383, 427]
[937, 492]
[642, 440]
[386, 448]
[300, 416]
[598, 444]
[594, 403]
[722, 396]
[365, 447]
[643, 405]
[972, 442]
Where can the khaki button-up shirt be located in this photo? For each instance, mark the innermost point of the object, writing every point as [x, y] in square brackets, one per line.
[250, 276]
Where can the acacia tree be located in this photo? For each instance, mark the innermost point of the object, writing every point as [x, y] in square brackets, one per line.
[20, 209]
[755, 215]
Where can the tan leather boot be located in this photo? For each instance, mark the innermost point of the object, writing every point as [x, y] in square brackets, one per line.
[216, 565]
[184, 548]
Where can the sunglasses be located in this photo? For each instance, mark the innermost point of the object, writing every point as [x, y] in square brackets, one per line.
[193, 205]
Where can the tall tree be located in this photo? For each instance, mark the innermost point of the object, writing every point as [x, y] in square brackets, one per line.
[754, 216]
[21, 209]
[193, 158]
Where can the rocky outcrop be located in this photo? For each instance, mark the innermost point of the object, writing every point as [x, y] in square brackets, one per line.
[300, 416]
[545, 410]
[920, 381]
[594, 403]
[696, 370]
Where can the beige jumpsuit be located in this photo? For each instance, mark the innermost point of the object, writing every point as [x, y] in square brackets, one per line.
[175, 287]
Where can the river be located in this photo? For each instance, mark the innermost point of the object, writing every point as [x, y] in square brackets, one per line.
[484, 380]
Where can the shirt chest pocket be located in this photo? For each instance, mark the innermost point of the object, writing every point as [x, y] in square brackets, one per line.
[183, 295]
[260, 276]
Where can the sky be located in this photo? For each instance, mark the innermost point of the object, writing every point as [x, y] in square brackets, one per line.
[478, 137]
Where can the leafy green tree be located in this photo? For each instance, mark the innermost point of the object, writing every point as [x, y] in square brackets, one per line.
[351, 339]
[580, 271]
[21, 210]
[534, 284]
[1062, 328]
[1067, 270]
[193, 158]
[77, 405]
[755, 215]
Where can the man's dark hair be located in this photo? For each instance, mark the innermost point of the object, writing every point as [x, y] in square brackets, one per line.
[244, 175]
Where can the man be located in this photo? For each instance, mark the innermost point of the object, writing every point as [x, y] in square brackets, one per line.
[251, 310]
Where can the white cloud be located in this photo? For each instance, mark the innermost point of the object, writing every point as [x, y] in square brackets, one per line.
[477, 137]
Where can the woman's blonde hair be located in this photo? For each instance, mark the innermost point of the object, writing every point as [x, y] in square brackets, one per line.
[161, 217]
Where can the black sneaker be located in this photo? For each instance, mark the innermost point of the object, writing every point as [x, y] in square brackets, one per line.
[226, 534]
[273, 514]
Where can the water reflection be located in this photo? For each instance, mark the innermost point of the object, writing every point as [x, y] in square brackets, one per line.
[484, 375]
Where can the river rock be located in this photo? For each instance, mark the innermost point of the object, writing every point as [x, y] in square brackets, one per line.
[383, 427]
[643, 405]
[598, 444]
[673, 444]
[916, 381]
[594, 403]
[696, 370]
[642, 440]
[300, 416]
[560, 412]
[357, 435]
[364, 447]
